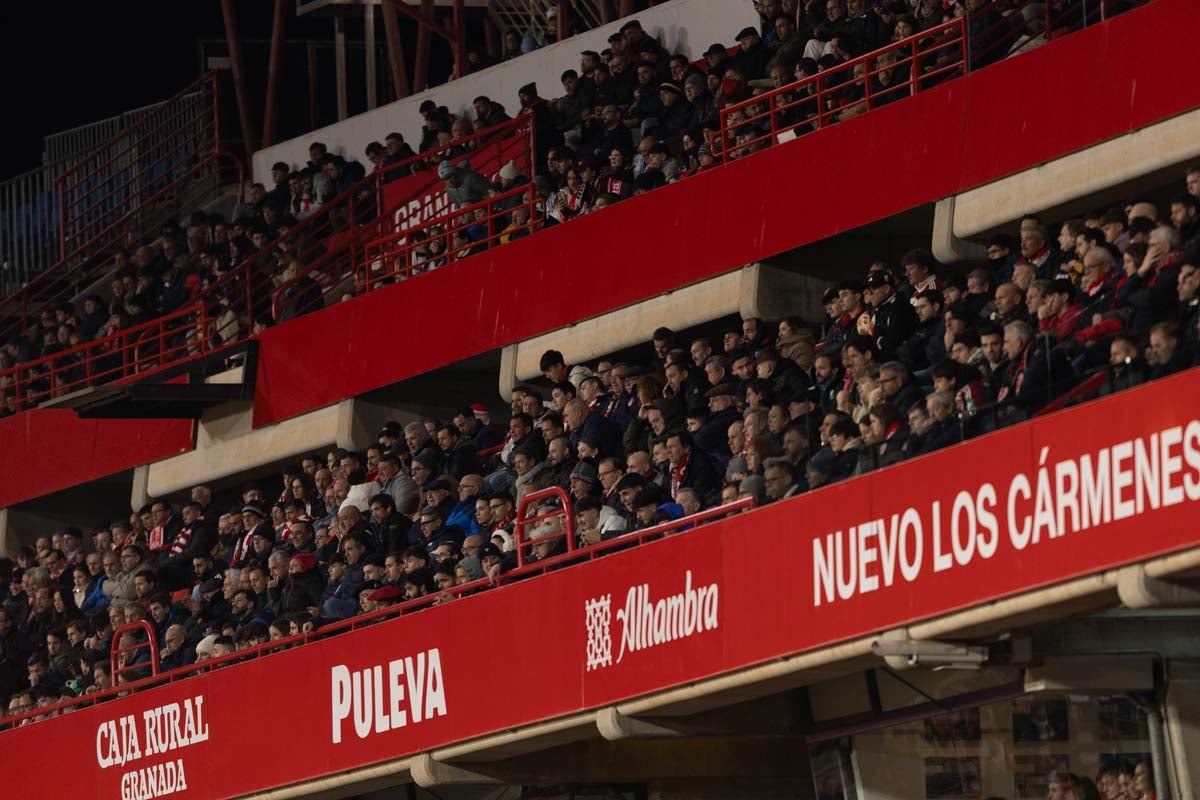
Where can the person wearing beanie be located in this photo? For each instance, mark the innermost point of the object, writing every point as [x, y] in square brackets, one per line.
[464, 187]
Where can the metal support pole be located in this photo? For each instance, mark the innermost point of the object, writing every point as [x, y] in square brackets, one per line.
[312, 86]
[421, 68]
[391, 29]
[339, 57]
[369, 37]
[562, 28]
[491, 37]
[234, 43]
[272, 112]
[459, 45]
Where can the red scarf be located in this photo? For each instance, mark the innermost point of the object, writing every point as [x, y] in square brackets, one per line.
[677, 472]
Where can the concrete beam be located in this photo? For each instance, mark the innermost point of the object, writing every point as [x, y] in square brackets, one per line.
[756, 290]
[428, 773]
[1087, 172]
[614, 726]
[227, 443]
[1139, 589]
[948, 248]
[1183, 726]
[1092, 675]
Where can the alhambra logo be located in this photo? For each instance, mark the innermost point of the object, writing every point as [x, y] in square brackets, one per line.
[648, 623]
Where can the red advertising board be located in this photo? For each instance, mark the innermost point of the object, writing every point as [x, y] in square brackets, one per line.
[1071, 494]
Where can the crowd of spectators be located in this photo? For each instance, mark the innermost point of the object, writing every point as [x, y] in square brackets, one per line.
[910, 359]
[632, 118]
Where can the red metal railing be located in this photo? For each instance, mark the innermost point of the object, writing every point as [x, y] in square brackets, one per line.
[119, 666]
[450, 237]
[1080, 392]
[136, 351]
[894, 71]
[137, 165]
[578, 555]
[547, 530]
[486, 151]
[167, 162]
[862, 84]
[326, 244]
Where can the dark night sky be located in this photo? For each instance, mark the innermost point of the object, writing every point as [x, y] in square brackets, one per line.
[74, 62]
[78, 61]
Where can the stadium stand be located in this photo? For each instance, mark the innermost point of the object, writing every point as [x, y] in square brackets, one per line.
[591, 459]
[908, 363]
[180, 296]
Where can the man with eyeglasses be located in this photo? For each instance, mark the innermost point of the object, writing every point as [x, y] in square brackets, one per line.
[20, 703]
[462, 512]
[434, 532]
[502, 510]
[780, 476]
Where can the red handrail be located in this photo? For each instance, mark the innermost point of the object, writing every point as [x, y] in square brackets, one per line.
[208, 77]
[429, 159]
[579, 555]
[1088, 385]
[820, 91]
[391, 257]
[117, 651]
[521, 540]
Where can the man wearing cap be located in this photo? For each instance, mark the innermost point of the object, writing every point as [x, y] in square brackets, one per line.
[787, 379]
[712, 437]
[493, 561]
[254, 521]
[584, 481]
[463, 186]
[751, 60]
[674, 118]
[627, 489]
[892, 321]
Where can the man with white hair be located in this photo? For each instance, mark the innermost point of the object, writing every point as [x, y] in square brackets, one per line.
[1151, 292]
[547, 539]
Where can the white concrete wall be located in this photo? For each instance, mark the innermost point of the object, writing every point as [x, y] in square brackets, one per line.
[1087, 172]
[682, 26]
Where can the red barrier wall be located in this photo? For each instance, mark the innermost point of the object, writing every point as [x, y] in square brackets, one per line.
[48, 450]
[1015, 114]
[955, 529]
